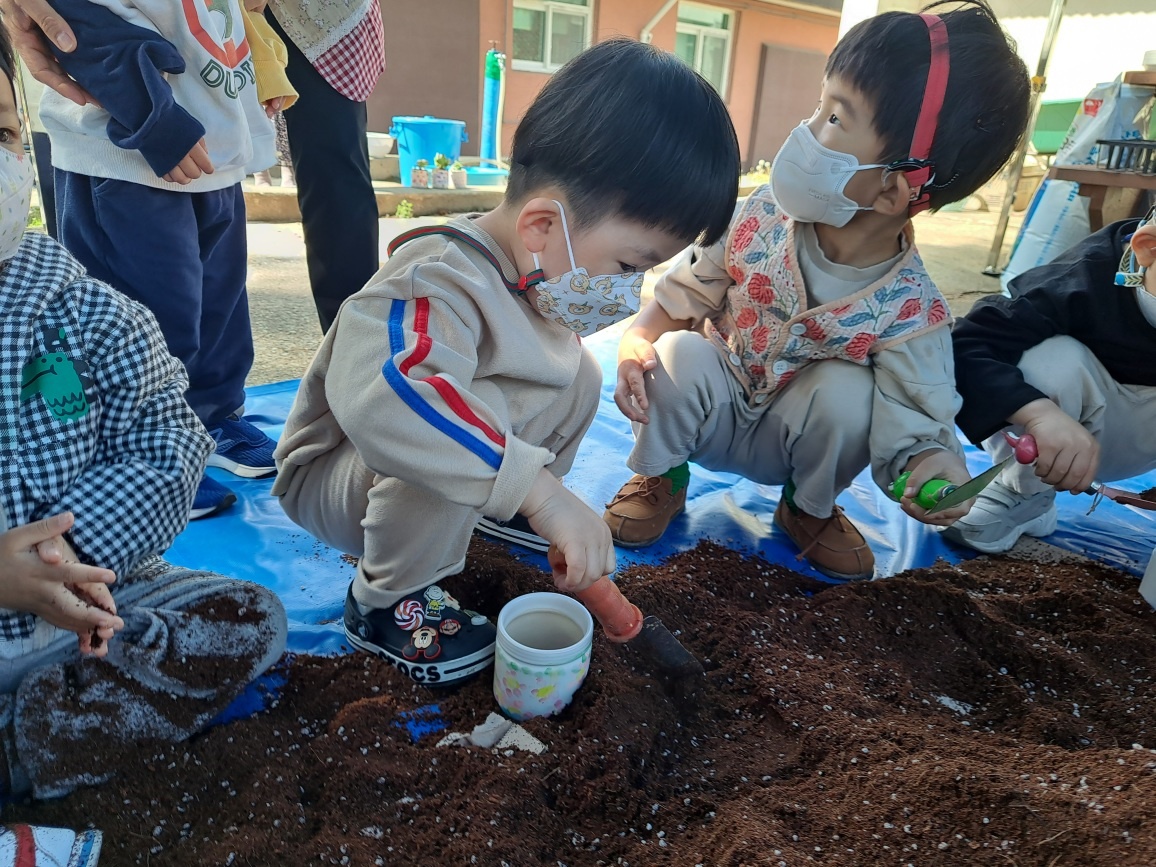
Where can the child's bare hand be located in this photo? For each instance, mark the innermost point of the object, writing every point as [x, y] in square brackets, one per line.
[61, 592]
[935, 464]
[272, 106]
[194, 164]
[95, 641]
[1069, 456]
[581, 550]
[635, 358]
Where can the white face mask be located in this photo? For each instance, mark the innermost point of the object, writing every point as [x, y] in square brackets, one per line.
[15, 199]
[582, 303]
[808, 179]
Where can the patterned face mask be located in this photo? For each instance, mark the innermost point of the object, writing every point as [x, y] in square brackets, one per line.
[585, 304]
[15, 199]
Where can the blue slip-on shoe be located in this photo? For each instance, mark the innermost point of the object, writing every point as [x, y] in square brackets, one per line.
[427, 636]
[242, 449]
[212, 497]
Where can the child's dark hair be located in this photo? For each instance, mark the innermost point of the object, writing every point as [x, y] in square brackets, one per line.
[984, 110]
[628, 130]
[7, 60]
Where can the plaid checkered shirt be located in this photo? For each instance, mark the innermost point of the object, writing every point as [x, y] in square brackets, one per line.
[354, 64]
[97, 420]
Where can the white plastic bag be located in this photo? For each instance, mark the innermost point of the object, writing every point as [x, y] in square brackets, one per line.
[1058, 217]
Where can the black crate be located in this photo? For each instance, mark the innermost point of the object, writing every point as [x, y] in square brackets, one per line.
[1127, 155]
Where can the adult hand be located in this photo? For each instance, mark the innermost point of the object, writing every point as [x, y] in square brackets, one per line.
[28, 23]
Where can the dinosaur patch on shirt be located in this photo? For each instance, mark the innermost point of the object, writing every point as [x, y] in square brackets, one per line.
[61, 381]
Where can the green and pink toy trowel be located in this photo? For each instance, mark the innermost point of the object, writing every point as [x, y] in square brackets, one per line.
[939, 494]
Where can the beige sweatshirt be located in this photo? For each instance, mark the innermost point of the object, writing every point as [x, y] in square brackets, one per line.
[432, 370]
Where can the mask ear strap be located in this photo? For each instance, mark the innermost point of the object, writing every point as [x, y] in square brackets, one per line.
[566, 233]
[933, 95]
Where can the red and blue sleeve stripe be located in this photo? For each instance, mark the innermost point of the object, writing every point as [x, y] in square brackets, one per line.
[461, 423]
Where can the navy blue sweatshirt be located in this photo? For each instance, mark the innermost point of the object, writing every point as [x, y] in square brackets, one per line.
[1074, 295]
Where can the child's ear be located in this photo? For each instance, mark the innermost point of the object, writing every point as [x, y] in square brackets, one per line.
[896, 197]
[1144, 246]
[537, 219]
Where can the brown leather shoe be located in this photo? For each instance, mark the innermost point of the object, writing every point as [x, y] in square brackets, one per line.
[834, 546]
[642, 510]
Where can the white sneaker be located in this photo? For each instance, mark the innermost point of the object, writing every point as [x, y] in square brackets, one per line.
[1000, 516]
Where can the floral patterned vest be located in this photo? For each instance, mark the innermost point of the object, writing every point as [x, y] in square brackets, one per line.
[767, 329]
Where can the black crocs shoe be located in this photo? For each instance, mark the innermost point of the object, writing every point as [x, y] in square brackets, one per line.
[428, 636]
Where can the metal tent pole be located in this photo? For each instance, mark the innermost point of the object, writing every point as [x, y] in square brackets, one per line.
[1016, 166]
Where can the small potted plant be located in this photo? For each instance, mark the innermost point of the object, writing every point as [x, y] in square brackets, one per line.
[441, 173]
[458, 176]
[419, 174]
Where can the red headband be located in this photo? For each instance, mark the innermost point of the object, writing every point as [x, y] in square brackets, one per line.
[933, 95]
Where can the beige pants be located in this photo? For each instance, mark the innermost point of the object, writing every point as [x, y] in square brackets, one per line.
[408, 537]
[814, 431]
[1122, 418]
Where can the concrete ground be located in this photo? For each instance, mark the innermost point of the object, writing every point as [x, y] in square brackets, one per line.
[954, 245]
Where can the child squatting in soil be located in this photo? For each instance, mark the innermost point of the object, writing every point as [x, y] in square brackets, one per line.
[455, 386]
[101, 459]
[1069, 358]
[810, 340]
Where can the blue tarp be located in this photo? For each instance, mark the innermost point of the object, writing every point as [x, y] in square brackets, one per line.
[254, 540]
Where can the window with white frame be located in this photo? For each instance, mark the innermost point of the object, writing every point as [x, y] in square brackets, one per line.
[703, 37]
[547, 33]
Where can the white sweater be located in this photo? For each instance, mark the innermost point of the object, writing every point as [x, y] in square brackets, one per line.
[134, 76]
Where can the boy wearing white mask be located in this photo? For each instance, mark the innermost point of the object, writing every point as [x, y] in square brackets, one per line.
[102, 643]
[810, 341]
[455, 386]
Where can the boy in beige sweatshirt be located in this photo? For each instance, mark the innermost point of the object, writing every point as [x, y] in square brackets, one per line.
[455, 385]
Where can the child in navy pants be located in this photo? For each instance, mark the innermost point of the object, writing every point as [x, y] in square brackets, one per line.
[148, 187]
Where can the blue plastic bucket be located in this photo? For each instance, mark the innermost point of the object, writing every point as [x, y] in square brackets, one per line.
[421, 138]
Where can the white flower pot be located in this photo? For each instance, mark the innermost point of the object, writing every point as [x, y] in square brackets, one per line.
[419, 178]
[441, 179]
[460, 178]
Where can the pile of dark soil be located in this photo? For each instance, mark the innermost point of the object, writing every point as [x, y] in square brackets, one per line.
[993, 713]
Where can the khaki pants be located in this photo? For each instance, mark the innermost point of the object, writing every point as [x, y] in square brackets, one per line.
[814, 431]
[407, 537]
[1120, 417]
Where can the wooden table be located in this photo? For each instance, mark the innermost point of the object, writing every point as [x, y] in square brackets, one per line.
[1122, 193]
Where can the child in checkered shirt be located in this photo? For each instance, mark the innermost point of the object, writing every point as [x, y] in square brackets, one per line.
[102, 643]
